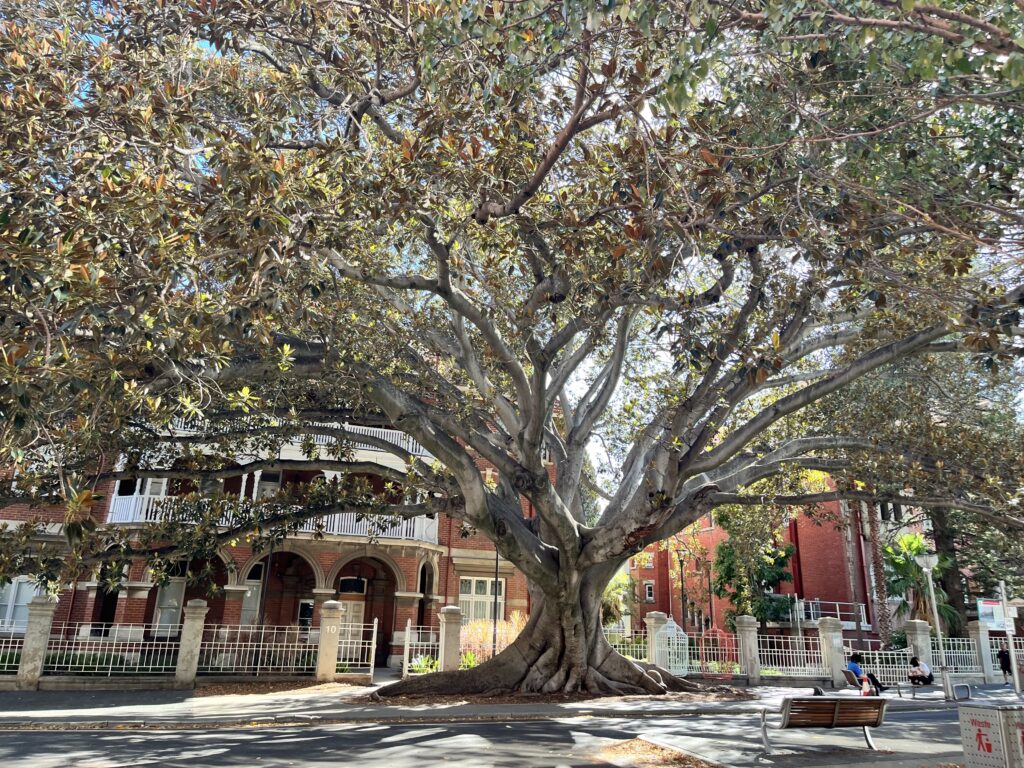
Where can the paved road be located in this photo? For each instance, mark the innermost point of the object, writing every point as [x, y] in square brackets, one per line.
[546, 744]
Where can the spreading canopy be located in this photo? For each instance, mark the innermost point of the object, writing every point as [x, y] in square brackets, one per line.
[516, 232]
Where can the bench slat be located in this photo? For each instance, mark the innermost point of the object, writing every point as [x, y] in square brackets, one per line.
[833, 713]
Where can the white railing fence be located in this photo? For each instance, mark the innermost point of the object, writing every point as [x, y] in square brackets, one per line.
[112, 649]
[890, 667]
[995, 642]
[961, 654]
[357, 645]
[257, 650]
[791, 656]
[715, 653]
[848, 613]
[632, 646]
[422, 651]
[10, 655]
[150, 509]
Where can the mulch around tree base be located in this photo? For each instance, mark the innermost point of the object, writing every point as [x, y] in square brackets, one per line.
[644, 754]
[718, 693]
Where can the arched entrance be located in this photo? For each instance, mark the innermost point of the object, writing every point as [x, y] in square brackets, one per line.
[366, 589]
[280, 591]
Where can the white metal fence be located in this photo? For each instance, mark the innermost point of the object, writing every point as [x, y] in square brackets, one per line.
[890, 667]
[849, 613]
[257, 650]
[632, 646]
[112, 649]
[10, 655]
[961, 654]
[996, 642]
[715, 653]
[357, 645]
[422, 652]
[784, 655]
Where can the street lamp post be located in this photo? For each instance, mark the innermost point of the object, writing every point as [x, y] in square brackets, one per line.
[928, 563]
[682, 590]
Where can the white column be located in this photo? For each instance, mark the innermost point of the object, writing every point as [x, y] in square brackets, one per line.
[37, 636]
[330, 634]
[654, 620]
[830, 635]
[191, 640]
[919, 638]
[451, 635]
[750, 659]
[241, 489]
[255, 483]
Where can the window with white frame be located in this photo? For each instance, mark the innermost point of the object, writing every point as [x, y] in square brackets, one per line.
[169, 599]
[14, 600]
[649, 591]
[477, 598]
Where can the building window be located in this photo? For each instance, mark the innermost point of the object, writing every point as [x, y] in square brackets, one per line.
[305, 617]
[169, 599]
[350, 585]
[477, 598]
[649, 591]
[14, 600]
[632, 563]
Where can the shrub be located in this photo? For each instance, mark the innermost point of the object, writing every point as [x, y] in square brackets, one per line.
[423, 665]
[468, 660]
[478, 635]
[9, 661]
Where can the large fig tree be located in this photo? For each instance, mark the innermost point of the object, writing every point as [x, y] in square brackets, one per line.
[534, 236]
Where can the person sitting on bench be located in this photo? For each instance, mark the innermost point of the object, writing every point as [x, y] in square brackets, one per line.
[920, 674]
[854, 666]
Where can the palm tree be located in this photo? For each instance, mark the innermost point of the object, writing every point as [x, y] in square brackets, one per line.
[907, 580]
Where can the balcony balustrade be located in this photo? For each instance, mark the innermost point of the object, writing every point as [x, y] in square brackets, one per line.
[149, 509]
[394, 436]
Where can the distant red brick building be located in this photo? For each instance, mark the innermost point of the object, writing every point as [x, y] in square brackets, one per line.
[831, 572]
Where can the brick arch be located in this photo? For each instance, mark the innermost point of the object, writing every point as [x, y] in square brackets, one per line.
[371, 553]
[290, 547]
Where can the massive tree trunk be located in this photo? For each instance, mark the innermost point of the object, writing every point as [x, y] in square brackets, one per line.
[562, 649]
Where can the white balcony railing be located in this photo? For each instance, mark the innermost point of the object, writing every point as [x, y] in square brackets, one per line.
[393, 436]
[848, 613]
[147, 509]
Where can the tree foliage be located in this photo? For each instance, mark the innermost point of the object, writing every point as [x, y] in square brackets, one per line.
[507, 229]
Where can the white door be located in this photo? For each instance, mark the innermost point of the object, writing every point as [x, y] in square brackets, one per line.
[251, 604]
[350, 639]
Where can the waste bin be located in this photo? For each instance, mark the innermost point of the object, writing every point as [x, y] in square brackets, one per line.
[992, 735]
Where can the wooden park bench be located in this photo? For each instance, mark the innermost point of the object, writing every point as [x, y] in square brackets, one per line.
[829, 712]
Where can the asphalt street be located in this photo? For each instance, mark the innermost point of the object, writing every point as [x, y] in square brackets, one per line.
[907, 739]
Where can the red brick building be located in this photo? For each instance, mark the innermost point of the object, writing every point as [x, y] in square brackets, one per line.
[407, 572]
[831, 572]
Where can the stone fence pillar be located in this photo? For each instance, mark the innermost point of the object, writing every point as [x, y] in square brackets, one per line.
[919, 640]
[191, 640]
[830, 635]
[750, 659]
[654, 620]
[37, 636]
[330, 636]
[978, 632]
[451, 636]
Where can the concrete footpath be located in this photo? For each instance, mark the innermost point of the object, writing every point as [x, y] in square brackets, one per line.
[127, 729]
[348, 704]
